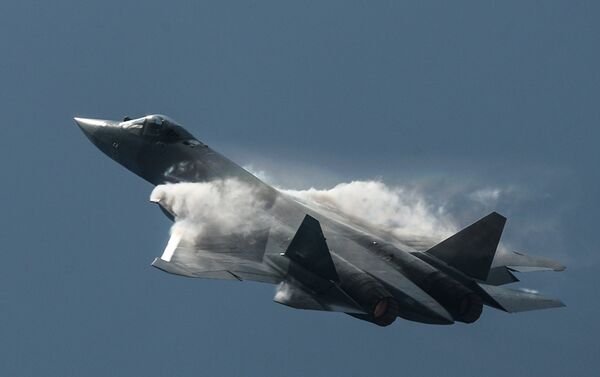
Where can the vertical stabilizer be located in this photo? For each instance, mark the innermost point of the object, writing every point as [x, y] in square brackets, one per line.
[309, 249]
[472, 250]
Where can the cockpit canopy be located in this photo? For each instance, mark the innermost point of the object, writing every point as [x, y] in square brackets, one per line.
[157, 127]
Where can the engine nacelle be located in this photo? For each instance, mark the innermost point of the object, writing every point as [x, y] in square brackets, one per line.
[464, 305]
[381, 307]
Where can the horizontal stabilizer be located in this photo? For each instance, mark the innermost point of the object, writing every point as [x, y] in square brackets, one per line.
[309, 249]
[526, 263]
[507, 263]
[472, 250]
[513, 301]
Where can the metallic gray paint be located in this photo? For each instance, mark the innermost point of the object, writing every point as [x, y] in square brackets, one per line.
[354, 268]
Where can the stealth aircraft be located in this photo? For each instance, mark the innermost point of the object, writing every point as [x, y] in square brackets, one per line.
[318, 258]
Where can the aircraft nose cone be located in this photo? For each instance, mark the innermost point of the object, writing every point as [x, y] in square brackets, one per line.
[88, 125]
[101, 132]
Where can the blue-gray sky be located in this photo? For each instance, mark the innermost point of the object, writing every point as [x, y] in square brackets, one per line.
[460, 95]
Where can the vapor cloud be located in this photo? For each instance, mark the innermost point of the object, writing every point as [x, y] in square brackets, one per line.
[219, 207]
[223, 207]
[230, 206]
[404, 211]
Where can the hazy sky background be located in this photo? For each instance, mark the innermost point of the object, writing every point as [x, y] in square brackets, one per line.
[454, 98]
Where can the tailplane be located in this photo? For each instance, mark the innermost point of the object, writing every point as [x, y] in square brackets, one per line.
[514, 300]
[507, 263]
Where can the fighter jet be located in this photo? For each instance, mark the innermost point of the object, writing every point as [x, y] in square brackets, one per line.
[318, 258]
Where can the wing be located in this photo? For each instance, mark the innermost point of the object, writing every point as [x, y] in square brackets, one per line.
[230, 257]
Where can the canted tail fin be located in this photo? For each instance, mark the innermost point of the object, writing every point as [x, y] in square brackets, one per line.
[309, 249]
[472, 250]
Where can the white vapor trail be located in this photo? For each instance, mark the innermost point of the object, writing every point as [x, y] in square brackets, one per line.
[219, 207]
[403, 211]
[223, 207]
